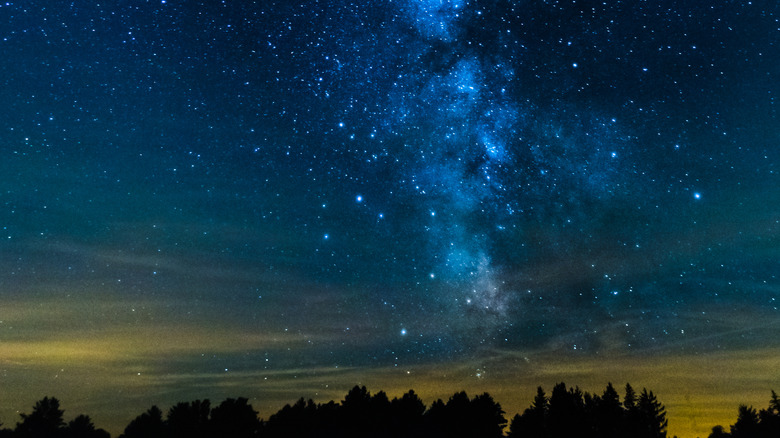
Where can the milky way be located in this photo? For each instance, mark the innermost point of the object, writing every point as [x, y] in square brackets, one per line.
[349, 192]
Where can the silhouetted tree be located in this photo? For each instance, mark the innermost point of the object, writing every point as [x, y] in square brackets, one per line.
[571, 412]
[533, 421]
[769, 418]
[751, 424]
[189, 420]
[651, 416]
[566, 413]
[354, 418]
[631, 419]
[297, 420]
[607, 414]
[456, 413]
[774, 403]
[358, 399]
[747, 423]
[444, 419]
[326, 423]
[379, 415]
[406, 418]
[147, 425]
[629, 400]
[82, 427]
[462, 417]
[235, 418]
[487, 417]
[45, 421]
[436, 419]
[718, 432]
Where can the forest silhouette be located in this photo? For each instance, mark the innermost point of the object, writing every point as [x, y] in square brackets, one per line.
[566, 412]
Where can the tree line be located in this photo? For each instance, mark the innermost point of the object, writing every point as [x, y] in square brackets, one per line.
[567, 412]
[573, 413]
[753, 424]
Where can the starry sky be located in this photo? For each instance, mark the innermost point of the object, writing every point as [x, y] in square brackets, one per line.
[276, 199]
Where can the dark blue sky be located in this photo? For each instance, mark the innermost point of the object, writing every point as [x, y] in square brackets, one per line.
[283, 188]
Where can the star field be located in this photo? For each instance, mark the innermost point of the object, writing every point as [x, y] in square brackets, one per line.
[278, 199]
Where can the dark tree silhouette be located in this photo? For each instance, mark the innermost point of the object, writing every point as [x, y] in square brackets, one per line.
[379, 415]
[406, 416]
[82, 427]
[355, 414]
[298, 420]
[607, 414]
[751, 424]
[769, 418]
[651, 416]
[189, 420]
[533, 421]
[570, 412]
[357, 398]
[718, 432]
[487, 417]
[774, 404]
[747, 423]
[631, 418]
[439, 417]
[362, 415]
[45, 421]
[464, 418]
[453, 417]
[147, 425]
[435, 417]
[235, 418]
[359, 415]
[629, 401]
[327, 419]
[566, 412]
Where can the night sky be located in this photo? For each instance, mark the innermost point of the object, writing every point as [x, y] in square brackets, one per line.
[278, 199]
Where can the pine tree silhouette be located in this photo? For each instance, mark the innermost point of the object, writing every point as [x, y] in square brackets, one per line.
[534, 419]
[189, 420]
[82, 427]
[147, 425]
[718, 432]
[607, 414]
[651, 416]
[747, 423]
[406, 418]
[45, 421]
[235, 418]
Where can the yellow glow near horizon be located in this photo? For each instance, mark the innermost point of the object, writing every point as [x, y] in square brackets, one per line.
[76, 353]
[699, 391]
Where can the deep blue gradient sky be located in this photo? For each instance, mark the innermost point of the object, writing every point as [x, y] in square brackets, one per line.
[281, 199]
